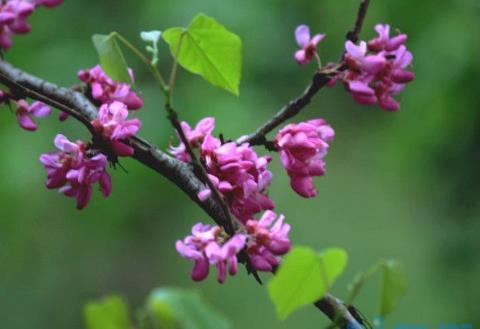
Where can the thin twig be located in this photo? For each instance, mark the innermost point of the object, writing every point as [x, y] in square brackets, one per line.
[362, 12]
[319, 80]
[201, 171]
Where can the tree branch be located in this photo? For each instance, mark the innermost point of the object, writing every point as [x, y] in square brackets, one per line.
[319, 80]
[72, 102]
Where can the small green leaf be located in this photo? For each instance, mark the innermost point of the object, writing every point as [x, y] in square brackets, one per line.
[172, 308]
[111, 57]
[394, 285]
[108, 313]
[304, 277]
[207, 48]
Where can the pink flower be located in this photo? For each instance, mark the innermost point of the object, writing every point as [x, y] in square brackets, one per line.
[308, 45]
[25, 112]
[73, 172]
[113, 125]
[194, 136]
[384, 42]
[302, 148]
[240, 174]
[267, 238]
[13, 19]
[14, 15]
[235, 170]
[105, 90]
[207, 246]
[356, 58]
[375, 77]
[47, 3]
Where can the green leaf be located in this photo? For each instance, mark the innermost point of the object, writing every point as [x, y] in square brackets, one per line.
[207, 48]
[304, 277]
[111, 57]
[108, 313]
[394, 285]
[170, 307]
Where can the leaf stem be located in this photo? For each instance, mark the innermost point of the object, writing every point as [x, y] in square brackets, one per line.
[173, 73]
[153, 68]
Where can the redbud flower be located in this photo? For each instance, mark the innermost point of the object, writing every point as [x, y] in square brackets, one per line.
[47, 3]
[308, 45]
[25, 112]
[208, 246]
[375, 77]
[73, 172]
[113, 125]
[302, 148]
[240, 174]
[14, 15]
[383, 41]
[105, 90]
[235, 170]
[267, 238]
[194, 136]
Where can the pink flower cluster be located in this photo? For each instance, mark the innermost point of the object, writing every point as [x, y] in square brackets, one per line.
[210, 245]
[267, 239]
[105, 90]
[236, 170]
[308, 44]
[74, 172]
[377, 71]
[302, 148]
[25, 113]
[71, 169]
[14, 15]
[194, 136]
[113, 126]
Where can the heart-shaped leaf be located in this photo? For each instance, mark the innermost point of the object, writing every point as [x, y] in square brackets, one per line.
[305, 277]
[108, 313]
[207, 48]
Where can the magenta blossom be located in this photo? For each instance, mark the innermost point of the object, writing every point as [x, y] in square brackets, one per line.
[25, 112]
[73, 172]
[302, 148]
[113, 125]
[267, 239]
[47, 3]
[384, 42]
[240, 174]
[375, 77]
[308, 45]
[236, 170]
[194, 136]
[208, 246]
[14, 15]
[105, 90]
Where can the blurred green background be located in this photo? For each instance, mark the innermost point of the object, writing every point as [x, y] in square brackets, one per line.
[402, 185]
